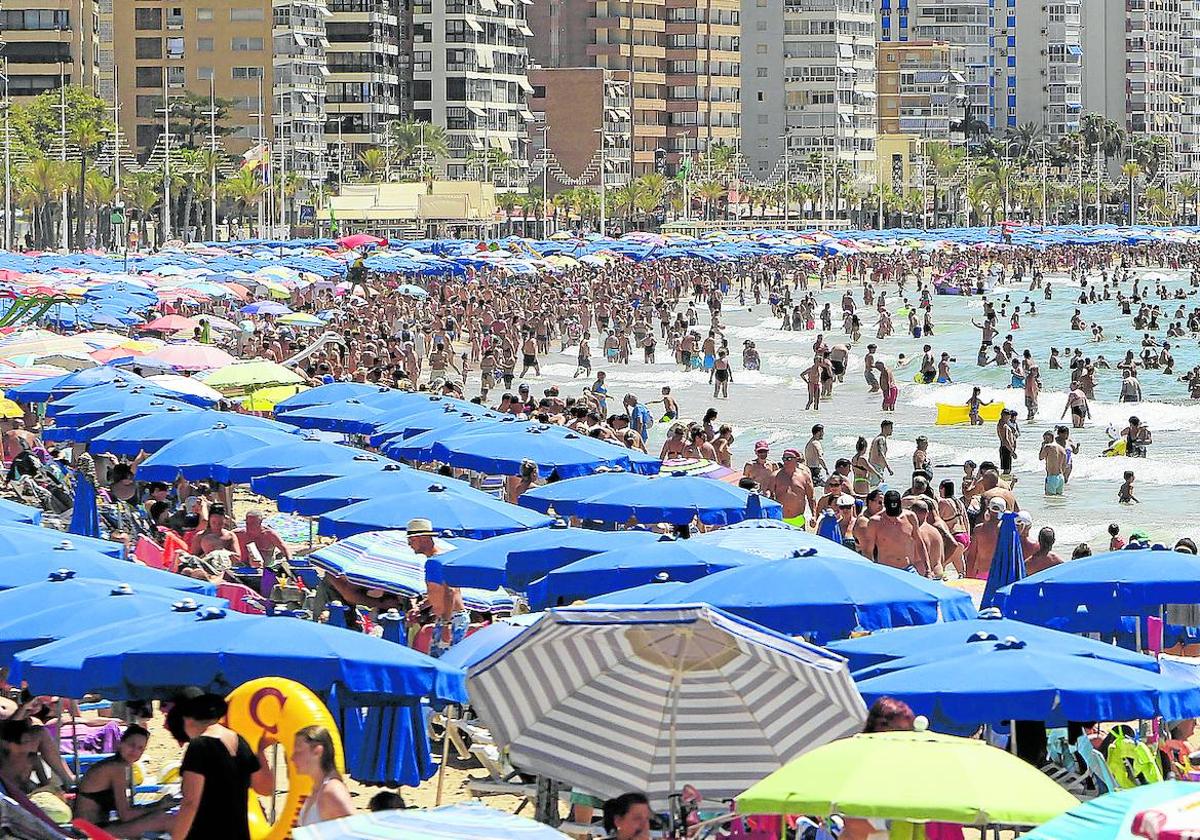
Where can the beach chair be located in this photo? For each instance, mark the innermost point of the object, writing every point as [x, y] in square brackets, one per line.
[1098, 770]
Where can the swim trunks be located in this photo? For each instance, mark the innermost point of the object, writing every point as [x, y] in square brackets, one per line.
[708, 361]
[797, 521]
[529, 360]
[1055, 485]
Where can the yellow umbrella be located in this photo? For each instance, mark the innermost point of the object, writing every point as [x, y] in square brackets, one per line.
[9, 409]
[250, 376]
[267, 398]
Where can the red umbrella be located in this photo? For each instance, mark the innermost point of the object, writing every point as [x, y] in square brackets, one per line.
[1178, 819]
[171, 323]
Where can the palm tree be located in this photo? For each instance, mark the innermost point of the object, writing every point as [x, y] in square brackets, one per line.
[190, 169]
[649, 192]
[86, 135]
[374, 164]
[1024, 139]
[508, 201]
[100, 194]
[1188, 191]
[416, 143]
[945, 160]
[1131, 170]
[488, 163]
[142, 191]
[710, 192]
[244, 190]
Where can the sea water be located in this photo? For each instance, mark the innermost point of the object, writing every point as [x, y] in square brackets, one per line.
[769, 403]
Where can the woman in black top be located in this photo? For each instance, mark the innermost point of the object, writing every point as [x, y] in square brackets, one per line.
[218, 770]
[103, 790]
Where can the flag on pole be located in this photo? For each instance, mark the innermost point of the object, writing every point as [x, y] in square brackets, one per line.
[256, 156]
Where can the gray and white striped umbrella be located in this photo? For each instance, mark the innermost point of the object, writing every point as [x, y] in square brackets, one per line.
[651, 698]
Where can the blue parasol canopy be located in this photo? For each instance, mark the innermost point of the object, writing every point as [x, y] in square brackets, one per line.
[13, 513]
[675, 498]
[388, 480]
[349, 416]
[85, 515]
[211, 648]
[63, 385]
[299, 452]
[325, 394]
[562, 496]
[773, 540]
[913, 644]
[429, 416]
[1008, 562]
[829, 528]
[35, 564]
[1110, 817]
[16, 538]
[819, 597]
[455, 512]
[553, 449]
[196, 455]
[275, 484]
[151, 433]
[40, 613]
[999, 681]
[633, 565]
[514, 560]
[416, 442]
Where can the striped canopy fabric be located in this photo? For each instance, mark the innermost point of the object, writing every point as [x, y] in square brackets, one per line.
[1175, 820]
[468, 821]
[651, 698]
[383, 560]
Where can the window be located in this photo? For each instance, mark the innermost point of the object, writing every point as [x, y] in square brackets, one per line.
[422, 61]
[175, 17]
[760, 96]
[176, 77]
[764, 119]
[204, 74]
[204, 44]
[38, 52]
[761, 49]
[148, 106]
[147, 19]
[148, 47]
[34, 19]
[247, 73]
[147, 135]
[175, 48]
[762, 73]
[204, 14]
[242, 43]
[149, 77]
[245, 14]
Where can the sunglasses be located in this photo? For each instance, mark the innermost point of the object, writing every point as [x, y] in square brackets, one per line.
[788, 458]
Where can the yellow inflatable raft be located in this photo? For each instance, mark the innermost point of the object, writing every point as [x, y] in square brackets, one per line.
[953, 415]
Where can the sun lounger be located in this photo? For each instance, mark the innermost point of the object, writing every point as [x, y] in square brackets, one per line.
[1098, 770]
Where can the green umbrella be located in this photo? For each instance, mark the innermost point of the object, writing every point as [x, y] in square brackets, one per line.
[249, 376]
[914, 776]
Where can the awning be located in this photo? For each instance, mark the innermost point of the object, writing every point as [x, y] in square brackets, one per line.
[484, 56]
[325, 42]
[957, 77]
[488, 5]
[324, 70]
[505, 144]
[1178, 100]
[299, 39]
[476, 143]
[526, 114]
[1074, 49]
[473, 23]
[476, 110]
[525, 30]
[324, 10]
[524, 84]
[494, 142]
[309, 98]
[845, 51]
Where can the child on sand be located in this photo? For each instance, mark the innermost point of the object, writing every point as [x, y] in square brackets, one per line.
[1125, 494]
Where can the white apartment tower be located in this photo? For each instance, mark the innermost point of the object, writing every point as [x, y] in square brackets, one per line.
[814, 88]
[470, 63]
[963, 23]
[298, 86]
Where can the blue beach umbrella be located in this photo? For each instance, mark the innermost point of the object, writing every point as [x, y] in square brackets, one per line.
[677, 499]
[773, 540]
[999, 681]
[1113, 584]
[93, 394]
[218, 650]
[429, 416]
[85, 515]
[466, 821]
[40, 613]
[275, 484]
[348, 416]
[564, 496]
[128, 406]
[389, 480]
[85, 434]
[150, 433]
[912, 645]
[1008, 562]
[299, 452]
[1110, 817]
[634, 565]
[514, 560]
[13, 513]
[325, 394]
[829, 528]
[436, 427]
[452, 511]
[91, 377]
[821, 597]
[36, 391]
[16, 538]
[33, 565]
[195, 455]
[554, 450]
[483, 643]
[265, 307]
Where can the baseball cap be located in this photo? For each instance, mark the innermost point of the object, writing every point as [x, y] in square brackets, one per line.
[791, 453]
[761, 446]
[997, 505]
[845, 500]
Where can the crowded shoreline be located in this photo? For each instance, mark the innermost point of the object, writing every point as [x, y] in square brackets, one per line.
[841, 391]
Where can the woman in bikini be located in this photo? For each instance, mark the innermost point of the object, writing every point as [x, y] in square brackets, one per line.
[863, 469]
[103, 791]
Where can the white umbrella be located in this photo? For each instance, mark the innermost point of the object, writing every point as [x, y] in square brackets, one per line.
[186, 385]
[651, 698]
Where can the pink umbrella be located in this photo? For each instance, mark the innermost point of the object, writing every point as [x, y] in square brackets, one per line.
[109, 354]
[189, 356]
[357, 240]
[171, 323]
[1178, 819]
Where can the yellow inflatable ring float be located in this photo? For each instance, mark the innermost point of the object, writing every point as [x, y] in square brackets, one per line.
[276, 709]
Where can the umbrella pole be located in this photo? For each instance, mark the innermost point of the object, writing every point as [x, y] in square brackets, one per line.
[1137, 634]
[445, 753]
[1012, 737]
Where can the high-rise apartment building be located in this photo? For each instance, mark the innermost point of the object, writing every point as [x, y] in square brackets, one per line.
[48, 41]
[1037, 65]
[966, 24]
[814, 88]
[469, 73]
[1187, 158]
[566, 104]
[298, 86]
[922, 89]
[703, 74]
[163, 51]
[364, 74]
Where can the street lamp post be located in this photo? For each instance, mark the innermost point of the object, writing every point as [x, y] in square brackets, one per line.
[8, 207]
[545, 130]
[603, 199]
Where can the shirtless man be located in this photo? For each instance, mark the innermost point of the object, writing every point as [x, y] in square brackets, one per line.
[930, 536]
[814, 454]
[1055, 458]
[761, 469]
[990, 486]
[877, 457]
[267, 544]
[215, 536]
[18, 439]
[792, 487]
[869, 369]
[872, 506]
[1044, 557]
[892, 538]
[983, 540]
[451, 619]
